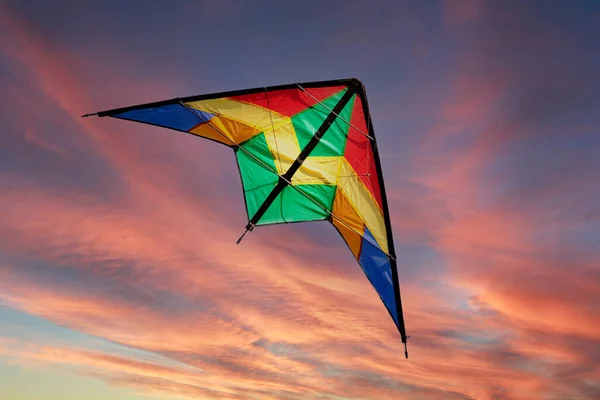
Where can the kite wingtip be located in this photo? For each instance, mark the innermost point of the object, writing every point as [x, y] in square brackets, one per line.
[88, 115]
[249, 227]
[404, 340]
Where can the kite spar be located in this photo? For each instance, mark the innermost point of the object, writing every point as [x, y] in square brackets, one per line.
[306, 152]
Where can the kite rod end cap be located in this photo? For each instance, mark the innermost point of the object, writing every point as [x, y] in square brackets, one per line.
[249, 227]
[404, 340]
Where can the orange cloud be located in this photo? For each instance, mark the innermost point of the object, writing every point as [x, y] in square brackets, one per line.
[158, 270]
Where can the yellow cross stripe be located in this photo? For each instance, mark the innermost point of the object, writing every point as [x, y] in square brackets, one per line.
[364, 204]
[218, 127]
[318, 170]
[337, 171]
[255, 116]
[284, 145]
[241, 121]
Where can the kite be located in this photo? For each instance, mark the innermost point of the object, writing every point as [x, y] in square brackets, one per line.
[305, 152]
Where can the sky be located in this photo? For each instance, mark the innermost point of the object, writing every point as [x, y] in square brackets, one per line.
[119, 273]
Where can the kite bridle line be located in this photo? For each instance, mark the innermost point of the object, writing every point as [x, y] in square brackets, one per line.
[276, 148]
[343, 119]
[272, 128]
[251, 225]
[336, 114]
[331, 177]
[395, 277]
[285, 180]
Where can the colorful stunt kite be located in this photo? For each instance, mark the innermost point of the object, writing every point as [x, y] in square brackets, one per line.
[306, 152]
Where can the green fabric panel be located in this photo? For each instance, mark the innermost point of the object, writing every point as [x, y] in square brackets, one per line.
[333, 143]
[308, 121]
[257, 180]
[292, 206]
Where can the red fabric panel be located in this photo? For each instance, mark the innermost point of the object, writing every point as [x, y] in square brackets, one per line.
[289, 102]
[359, 154]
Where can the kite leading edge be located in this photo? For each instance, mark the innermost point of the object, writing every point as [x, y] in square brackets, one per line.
[306, 152]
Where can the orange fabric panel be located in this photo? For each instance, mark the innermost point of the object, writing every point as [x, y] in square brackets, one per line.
[351, 225]
[235, 132]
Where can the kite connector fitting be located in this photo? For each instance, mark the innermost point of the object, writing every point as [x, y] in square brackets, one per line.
[249, 227]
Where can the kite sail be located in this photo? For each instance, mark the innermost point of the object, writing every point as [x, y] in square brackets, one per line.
[306, 152]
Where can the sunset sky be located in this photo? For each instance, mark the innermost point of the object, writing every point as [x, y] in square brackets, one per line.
[120, 277]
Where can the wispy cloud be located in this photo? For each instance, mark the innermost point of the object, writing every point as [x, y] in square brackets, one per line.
[496, 208]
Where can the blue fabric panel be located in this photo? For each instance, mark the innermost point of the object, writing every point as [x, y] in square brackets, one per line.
[378, 269]
[173, 116]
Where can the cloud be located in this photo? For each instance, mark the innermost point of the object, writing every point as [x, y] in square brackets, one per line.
[499, 286]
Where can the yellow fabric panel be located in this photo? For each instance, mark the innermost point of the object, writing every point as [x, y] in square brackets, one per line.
[352, 223]
[284, 146]
[252, 115]
[234, 130]
[363, 202]
[318, 171]
[241, 121]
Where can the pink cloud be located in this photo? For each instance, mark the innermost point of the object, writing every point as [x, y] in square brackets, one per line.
[460, 12]
[259, 319]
